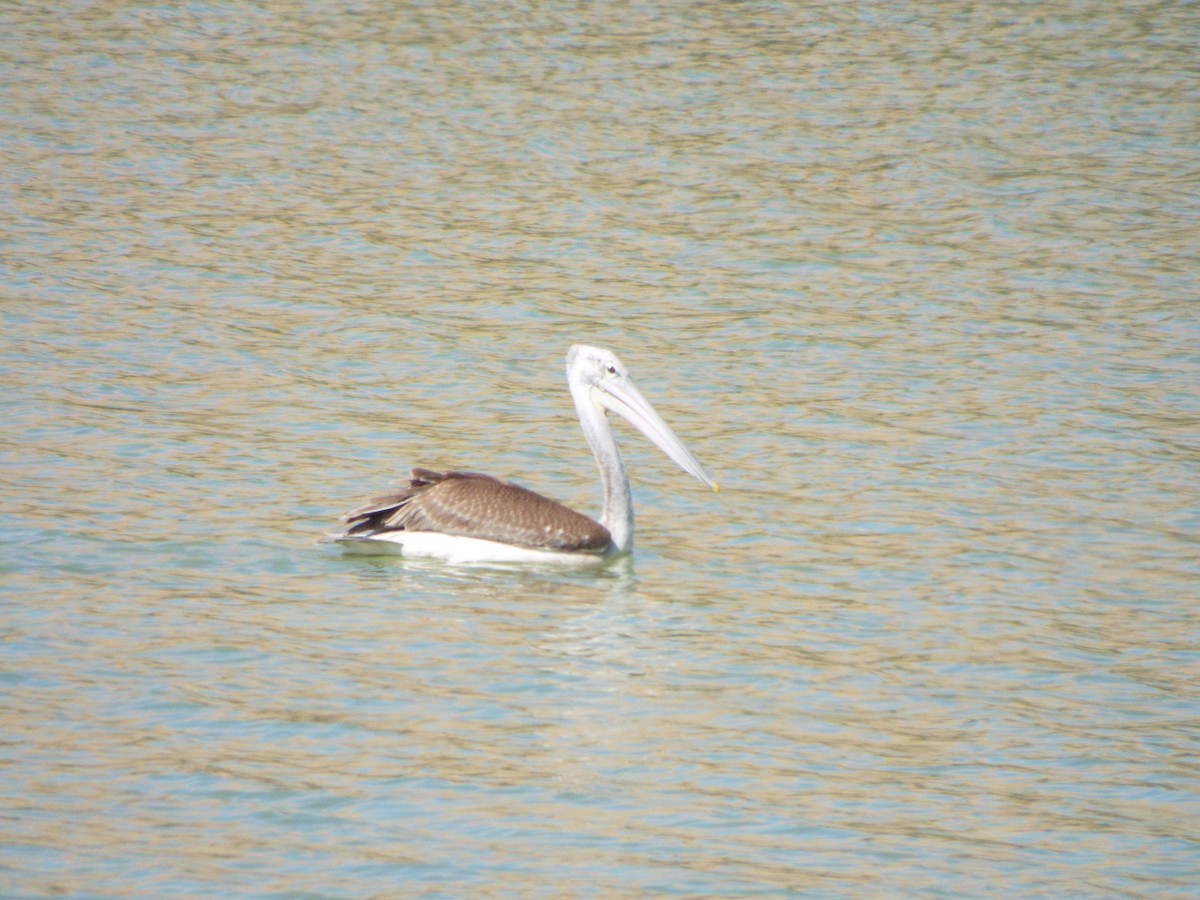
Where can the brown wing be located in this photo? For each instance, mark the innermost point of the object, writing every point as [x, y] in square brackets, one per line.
[479, 506]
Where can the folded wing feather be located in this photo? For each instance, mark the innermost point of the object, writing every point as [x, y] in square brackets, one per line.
[479, 506]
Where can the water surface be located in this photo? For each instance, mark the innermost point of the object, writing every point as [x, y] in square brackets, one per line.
[916, 285]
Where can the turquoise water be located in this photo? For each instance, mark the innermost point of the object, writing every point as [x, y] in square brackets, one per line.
[918, 289]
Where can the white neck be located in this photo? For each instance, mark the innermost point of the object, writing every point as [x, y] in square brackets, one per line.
[618, 502]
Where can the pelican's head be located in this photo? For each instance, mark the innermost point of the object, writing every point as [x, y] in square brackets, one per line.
[598, 378]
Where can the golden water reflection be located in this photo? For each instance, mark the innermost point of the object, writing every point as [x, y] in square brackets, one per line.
[917, 287]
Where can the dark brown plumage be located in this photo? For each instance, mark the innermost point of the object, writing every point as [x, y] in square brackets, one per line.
[479, 506]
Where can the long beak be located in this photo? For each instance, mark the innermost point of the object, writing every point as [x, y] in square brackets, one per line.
[627, 401]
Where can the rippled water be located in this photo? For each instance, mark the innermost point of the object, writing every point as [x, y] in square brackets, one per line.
[916, 284]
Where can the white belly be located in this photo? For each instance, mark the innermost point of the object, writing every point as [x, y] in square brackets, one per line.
[457, 549]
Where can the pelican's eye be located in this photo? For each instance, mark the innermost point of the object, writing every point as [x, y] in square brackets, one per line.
[612, 370]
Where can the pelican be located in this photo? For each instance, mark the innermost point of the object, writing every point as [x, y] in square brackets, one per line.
[468, 517]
